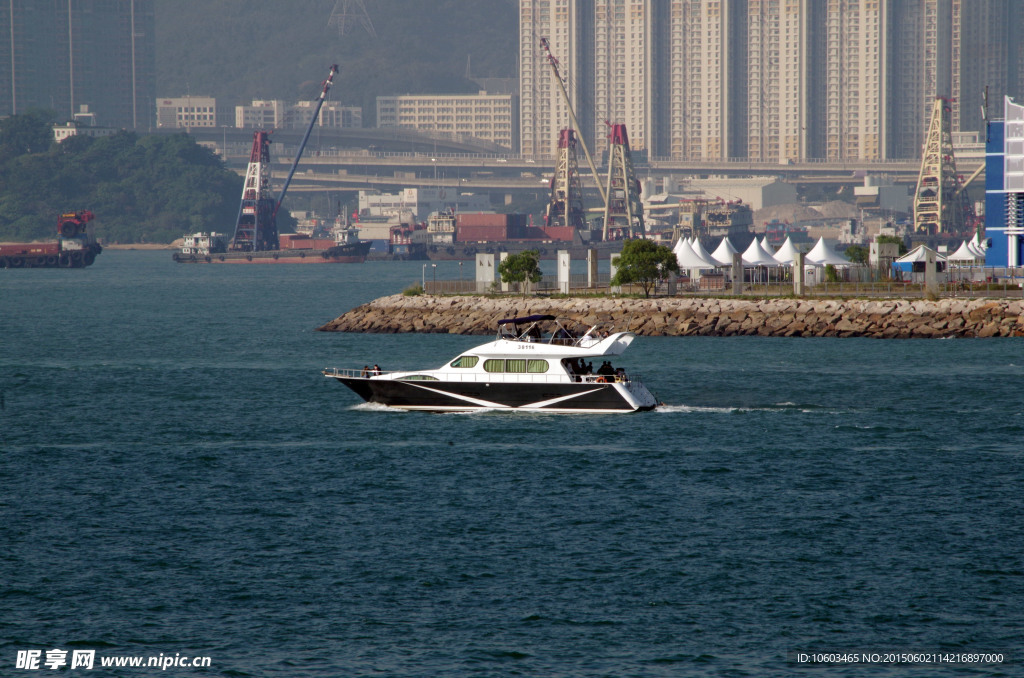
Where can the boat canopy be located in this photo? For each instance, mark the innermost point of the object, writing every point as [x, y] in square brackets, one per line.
[525, 319]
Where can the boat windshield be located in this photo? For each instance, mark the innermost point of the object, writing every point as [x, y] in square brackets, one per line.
[548, 329]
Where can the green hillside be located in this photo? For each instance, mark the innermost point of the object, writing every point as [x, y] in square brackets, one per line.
[239, 50]
[151, 188]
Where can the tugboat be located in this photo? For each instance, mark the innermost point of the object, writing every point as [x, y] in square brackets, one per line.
[75, 246]
[535, 364]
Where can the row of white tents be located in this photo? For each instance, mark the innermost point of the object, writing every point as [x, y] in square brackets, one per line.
[692, 256]
[970, 252]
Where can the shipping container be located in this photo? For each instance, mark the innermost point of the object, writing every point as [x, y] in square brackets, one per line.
[30, 249]
[481, 220]
[295, 241]
[477, 233]
[559, 232]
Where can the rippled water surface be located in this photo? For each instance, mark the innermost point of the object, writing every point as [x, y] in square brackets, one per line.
[177, 477]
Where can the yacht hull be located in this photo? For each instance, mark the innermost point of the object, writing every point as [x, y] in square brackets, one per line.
[467, 396]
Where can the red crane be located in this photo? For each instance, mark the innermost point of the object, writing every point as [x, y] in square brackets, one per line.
[256, 225]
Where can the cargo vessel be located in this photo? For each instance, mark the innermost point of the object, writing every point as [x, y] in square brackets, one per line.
[450, 236]
[256, 239]
[299, 248]
[75, 246]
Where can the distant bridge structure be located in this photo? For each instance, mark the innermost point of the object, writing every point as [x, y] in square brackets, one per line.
[388, 159]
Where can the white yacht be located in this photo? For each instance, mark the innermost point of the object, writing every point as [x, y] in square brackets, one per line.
[535, 364]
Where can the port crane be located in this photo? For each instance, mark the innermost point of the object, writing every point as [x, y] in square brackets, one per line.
[622, 208]
[941, 203]
[256, 224]
[553, 62]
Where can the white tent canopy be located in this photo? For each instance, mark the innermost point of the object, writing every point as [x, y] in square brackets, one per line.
[766, 246]
[964, 253]
[701, 252]
[975, 246]
[919, 253]
[822, 255]
[723, 253]
[787, 253]
[688, 259]
[680, 245]
[756, 256]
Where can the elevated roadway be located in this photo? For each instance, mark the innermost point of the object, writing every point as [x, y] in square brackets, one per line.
[388, 159]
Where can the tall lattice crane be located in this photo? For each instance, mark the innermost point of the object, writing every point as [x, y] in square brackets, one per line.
[553, 62]
[623, 209]
[941, 203]
[256, 225]
[565, 208]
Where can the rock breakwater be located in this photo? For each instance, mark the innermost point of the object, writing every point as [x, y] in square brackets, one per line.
[885, 318]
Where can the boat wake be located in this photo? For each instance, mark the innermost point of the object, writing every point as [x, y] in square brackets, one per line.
[707, 409]
[374, 407]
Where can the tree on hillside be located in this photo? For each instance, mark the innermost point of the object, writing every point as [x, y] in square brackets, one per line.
[150, 188]
[521, 268]
[644, 263]
[28, 132]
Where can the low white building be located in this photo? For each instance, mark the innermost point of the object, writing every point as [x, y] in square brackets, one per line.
[260, 114]
[882, 193]
[491, 117]
[332, 115]
[756, 192]
[187, 112]
[71, 129]
[418, 203]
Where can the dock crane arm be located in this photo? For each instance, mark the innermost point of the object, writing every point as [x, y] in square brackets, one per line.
[302, 146]
[974, 175]
[572, 115]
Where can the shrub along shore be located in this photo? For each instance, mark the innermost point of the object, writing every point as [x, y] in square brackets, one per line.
[884, 319]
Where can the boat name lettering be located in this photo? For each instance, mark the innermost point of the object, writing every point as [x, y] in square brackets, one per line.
[526, 347]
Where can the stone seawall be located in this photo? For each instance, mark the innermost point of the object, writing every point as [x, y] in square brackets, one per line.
[889, 318]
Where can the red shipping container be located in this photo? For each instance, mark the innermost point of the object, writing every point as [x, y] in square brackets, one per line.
[322, 243]
[29, 249]
[474, 233]
[481, 219]
[534, 233]
[559, 232]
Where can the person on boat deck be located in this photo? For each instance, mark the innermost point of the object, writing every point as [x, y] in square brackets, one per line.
[590, 368]
[365, 372]
[376, 368]
[606, 369]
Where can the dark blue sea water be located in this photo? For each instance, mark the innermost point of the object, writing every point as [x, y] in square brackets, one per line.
[177, 478]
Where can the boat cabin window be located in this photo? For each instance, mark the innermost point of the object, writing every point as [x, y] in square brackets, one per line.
[465, 361]
[516, 366]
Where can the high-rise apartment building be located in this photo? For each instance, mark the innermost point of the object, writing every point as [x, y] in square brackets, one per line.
[623, 54]
[568, 27]
[987, 51]
[62, 54]
[767, 80]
